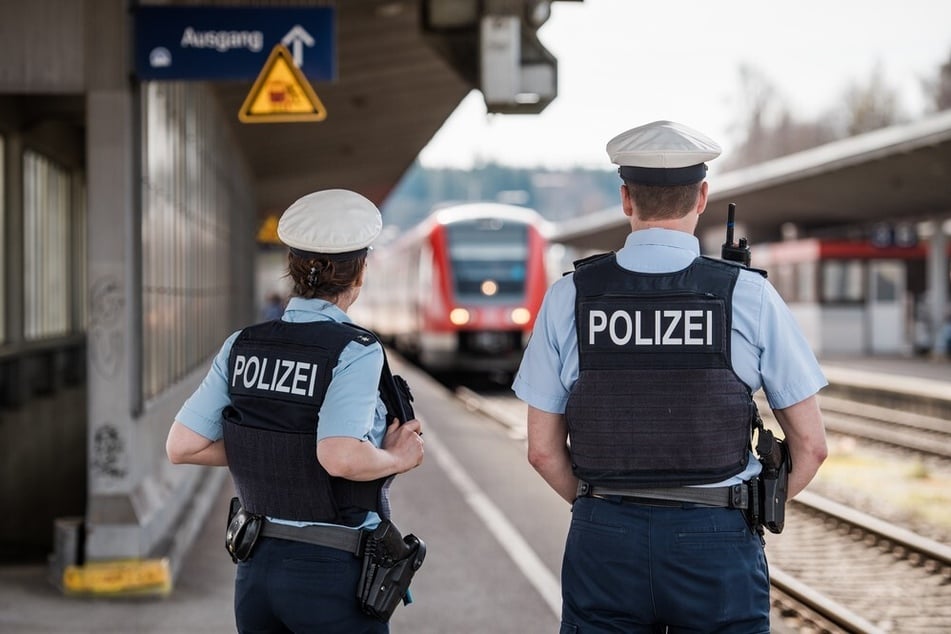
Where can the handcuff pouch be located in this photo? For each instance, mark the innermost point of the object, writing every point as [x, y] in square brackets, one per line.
[243, 531]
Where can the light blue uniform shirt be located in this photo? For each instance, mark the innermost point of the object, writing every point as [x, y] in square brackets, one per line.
[768, 348]
[352, 407]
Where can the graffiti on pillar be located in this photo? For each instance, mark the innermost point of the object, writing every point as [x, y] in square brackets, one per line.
[108, 452]
[106, 307]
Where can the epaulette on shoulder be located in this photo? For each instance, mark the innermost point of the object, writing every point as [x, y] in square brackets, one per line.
[588, 260]
[736, 264]
[363, 336]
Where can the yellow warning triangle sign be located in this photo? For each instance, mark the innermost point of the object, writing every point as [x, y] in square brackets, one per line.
[281, 93]
[267, 232]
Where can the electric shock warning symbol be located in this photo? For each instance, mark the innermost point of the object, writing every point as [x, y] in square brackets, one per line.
[281, 93]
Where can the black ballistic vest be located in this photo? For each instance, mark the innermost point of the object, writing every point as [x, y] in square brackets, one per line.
[279, 373]
[656, 402]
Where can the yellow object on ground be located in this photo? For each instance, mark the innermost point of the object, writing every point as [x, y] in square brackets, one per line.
[127, 577]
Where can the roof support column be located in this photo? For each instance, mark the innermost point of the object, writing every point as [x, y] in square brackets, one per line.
[113, 282]
[139, 506]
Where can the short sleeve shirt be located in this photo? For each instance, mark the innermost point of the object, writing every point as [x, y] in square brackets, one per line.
[351, 408]
[769, 351]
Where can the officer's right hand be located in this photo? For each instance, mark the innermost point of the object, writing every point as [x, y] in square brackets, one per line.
[405, 442]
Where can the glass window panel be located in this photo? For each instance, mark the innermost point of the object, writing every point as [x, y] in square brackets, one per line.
[192, 198]
[888, 280]
[3, 250]
[785, 282]
[806, 281]
[79, 258]
[46, 247]
[842, 281]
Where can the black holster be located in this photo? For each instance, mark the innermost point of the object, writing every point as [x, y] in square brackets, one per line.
[773, 483]
[389, 563]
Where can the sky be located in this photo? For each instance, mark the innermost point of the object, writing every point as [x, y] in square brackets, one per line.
[622, 63]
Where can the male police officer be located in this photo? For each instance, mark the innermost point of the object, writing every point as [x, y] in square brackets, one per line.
[646, 360]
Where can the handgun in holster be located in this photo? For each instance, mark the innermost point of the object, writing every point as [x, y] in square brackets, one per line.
[389, 563]
[773, 484]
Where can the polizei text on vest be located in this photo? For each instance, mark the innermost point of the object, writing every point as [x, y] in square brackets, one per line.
[274, 375]
[651, 327]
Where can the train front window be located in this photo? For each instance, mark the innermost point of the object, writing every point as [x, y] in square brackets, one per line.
[842, 281]
[488, 259]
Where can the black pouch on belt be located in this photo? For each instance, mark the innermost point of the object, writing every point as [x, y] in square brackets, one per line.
[243, 531]
[389, 563]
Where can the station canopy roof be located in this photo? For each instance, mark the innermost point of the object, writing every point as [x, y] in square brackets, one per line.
[897, 173]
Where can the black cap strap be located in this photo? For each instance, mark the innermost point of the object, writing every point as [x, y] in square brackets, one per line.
[663, 175]
[336, 257]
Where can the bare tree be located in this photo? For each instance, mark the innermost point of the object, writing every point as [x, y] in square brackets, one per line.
[871, 105]
[761, 105]
[939, 88]
[765, 124]
[792, 135]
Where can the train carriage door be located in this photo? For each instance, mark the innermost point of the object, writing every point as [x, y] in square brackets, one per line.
[886, 307]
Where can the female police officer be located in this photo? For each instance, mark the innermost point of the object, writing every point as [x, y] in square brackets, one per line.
[292, 407]
[646, 359]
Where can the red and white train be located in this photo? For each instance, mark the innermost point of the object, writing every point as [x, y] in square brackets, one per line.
[461, 290]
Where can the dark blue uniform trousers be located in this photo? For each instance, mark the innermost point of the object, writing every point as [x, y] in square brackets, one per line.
[288, 586]
[637, 568]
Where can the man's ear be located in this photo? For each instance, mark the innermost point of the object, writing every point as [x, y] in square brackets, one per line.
[626, 203]
[702, 198]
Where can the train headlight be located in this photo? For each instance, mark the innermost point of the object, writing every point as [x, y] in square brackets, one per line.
[521, 316]
[489, 287]
[459, 316]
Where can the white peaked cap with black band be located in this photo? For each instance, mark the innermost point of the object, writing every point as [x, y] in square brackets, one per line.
[662, 153]
[334, 223]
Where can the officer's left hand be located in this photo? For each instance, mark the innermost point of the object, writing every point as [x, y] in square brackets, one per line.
[405, 443]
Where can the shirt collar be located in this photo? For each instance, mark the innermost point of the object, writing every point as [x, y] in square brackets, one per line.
[300, 310]
[658, 250]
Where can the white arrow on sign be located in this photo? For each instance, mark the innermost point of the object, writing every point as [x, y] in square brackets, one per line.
[295, 40]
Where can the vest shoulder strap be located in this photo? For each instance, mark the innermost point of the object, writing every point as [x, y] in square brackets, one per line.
[734, 264]
[590, 259]
[394, 390]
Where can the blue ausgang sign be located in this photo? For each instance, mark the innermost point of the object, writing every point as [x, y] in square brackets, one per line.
[209, 43]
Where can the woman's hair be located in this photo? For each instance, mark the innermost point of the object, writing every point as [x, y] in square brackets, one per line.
[663, 202]
[323, 278]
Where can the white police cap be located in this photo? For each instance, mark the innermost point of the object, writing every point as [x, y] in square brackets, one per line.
[335, 223]
[662, 153]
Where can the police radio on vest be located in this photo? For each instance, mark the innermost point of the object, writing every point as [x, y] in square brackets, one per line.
[652, 327]
[275, 375]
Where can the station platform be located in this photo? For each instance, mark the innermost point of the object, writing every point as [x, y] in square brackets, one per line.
[201, 599]
[890, 369]
[919, 385]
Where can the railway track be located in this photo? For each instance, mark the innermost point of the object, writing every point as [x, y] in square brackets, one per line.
[836, 568]
[860, 573]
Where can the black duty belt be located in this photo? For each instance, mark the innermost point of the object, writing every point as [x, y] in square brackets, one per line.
[733, 497]
[348, 539]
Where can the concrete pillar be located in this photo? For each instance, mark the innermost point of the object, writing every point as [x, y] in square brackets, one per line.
[139, 507]
[111, 162]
